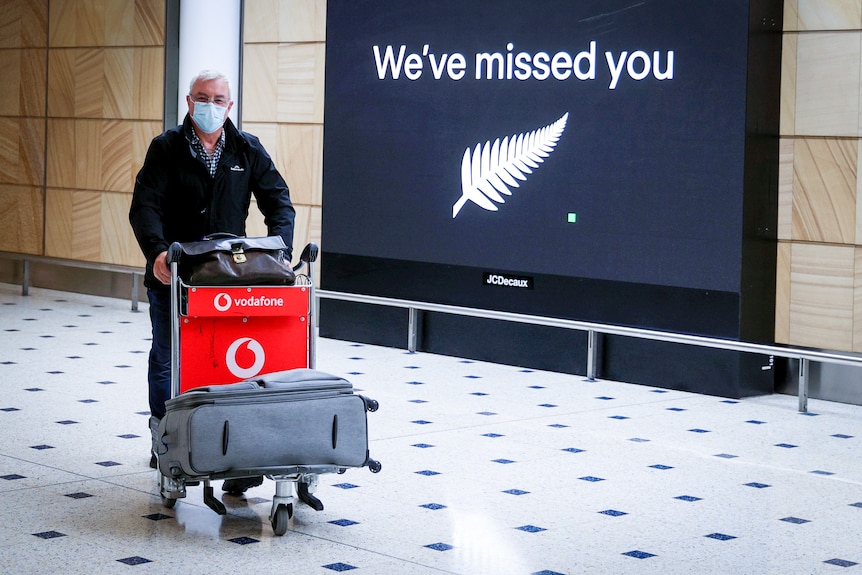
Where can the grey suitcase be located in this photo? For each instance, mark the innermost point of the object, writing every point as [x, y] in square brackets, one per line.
[290, 426]
[288, 422]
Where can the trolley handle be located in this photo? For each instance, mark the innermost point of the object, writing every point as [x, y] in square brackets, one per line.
[308, 256]
[175, 252]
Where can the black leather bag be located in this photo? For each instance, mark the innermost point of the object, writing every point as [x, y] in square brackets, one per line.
[226, 260]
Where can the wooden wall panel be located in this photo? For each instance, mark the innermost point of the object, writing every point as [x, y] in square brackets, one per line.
[61, 83]
[300, 82]
[260, 86]
[791, 15]
[10, 67]
[261, 21]
[88, 90]
[90, 226]
[89, 161]
[73, 224]
[822, 296]
[297, 150]
[118, 169]
[31, 79]
[89, 22]
[785, 188]
[119, 79]
[820, 193]
[22, 157]
[23, 23]
[22, 91]
[106, 83]
[274, 21]
[21, 211]
[62, 23]
[61, 153]
[300, 155]
[79, 23]
[824, 190]
[283, 83]
[148, 84]
[97, 154]
[782, 293]
[95, 68]
[823, 15]
[117, 241]
[827, 84]
[119, 23]
[787, 113]
[149, 23]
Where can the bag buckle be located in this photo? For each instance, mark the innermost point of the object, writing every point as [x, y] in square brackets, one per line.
[238, 254]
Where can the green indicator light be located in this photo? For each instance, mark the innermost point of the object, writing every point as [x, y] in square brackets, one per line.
[572, 218]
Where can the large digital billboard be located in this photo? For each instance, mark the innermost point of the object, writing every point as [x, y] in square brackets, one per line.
[577, 158]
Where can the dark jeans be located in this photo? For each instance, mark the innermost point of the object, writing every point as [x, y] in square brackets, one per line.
[159, 374]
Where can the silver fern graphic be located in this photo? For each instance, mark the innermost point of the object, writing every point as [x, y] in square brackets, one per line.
[492, 169]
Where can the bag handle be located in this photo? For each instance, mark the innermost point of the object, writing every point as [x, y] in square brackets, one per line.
[220, 236]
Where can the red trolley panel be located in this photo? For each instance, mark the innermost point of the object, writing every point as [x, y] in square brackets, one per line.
[230, 334]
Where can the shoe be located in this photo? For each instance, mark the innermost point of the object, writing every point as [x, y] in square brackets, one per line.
[241, 485]
[154, 432]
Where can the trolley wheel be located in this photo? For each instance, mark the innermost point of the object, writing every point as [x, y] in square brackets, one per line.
[375, 466]
[281, 518]
[168, 502]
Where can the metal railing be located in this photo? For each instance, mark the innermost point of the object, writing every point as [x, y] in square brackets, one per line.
[804, 355]
[26, 259]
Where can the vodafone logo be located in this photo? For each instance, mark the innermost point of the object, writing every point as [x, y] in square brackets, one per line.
[222, 302]
[251, 345]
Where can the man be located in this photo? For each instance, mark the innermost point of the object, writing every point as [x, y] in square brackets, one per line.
[198, 179]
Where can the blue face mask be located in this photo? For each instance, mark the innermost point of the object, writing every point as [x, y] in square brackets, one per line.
[208, 117]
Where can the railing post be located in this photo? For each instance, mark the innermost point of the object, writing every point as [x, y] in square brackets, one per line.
[592, 354]
[135, 297]
[803, 385]
[25, 280]
[412, 328]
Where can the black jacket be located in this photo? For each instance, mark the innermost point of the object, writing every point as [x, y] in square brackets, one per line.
[176, 200]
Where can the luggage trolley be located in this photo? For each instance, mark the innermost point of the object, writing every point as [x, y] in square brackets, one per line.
[223, 334]
[228, 334]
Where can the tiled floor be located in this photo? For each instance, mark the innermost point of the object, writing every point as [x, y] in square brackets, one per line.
[486, 469]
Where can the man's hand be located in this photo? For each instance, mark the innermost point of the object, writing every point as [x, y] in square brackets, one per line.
[161, 270]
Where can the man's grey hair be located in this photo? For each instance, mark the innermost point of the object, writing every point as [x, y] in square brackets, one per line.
[206, 76]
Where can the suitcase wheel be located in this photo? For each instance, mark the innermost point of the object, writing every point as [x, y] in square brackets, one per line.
[281, 518]
[374, 465]
[371, 404]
